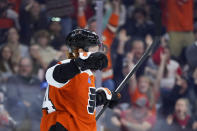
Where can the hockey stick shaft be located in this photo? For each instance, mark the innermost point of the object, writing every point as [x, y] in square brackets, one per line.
[135, 68]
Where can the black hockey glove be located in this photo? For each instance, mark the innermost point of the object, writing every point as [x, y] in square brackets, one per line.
[104, 95]
[115, 99]
[96, 61]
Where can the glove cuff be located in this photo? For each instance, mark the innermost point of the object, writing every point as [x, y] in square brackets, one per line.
[84, 55]
[107, 92]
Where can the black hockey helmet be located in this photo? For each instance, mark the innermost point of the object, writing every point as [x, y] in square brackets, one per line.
[82, 38]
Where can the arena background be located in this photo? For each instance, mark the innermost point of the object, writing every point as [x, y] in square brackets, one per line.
[160, 97]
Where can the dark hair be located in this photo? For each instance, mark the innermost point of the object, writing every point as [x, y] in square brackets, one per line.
[3, 9]
[140, 10]
[7, 33]
[129, 44]
[42, 33]
[91, 20]
[2, 67]
[137, 39]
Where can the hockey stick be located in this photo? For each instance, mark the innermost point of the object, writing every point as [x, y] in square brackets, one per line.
[135, 68]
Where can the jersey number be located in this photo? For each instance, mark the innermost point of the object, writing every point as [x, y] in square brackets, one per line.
[47, 104]
[92, 100]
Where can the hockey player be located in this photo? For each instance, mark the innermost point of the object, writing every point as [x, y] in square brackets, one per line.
[71, 96]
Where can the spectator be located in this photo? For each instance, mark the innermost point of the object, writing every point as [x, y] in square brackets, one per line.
[181, 119]
[16, 4]
[122, 46]
[61, 55]
[135, 51]
[63, 9]
[138, 117]
[172, 68]
[84, 6]
[155, 15]
[142, 86]
[64, 52]
[179, 25]
[8, 16]
[108, 7]
[192, 96]
[6, 66]
[16, 47]
[142, 89]
[168, 84]
[127, 53]
[24, 97]
[190, 53]
[5, 22]
[180, 90]
[38, 64]
[47, 53]
[139, 26]
[32, 19]
[57, 39]
[136, 4]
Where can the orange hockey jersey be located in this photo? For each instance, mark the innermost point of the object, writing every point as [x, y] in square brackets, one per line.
[72, 104]
[108, 37]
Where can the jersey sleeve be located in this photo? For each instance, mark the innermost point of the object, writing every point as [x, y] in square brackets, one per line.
[60, 74]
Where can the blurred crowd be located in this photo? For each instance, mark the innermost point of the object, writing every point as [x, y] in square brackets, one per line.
[162, 94]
